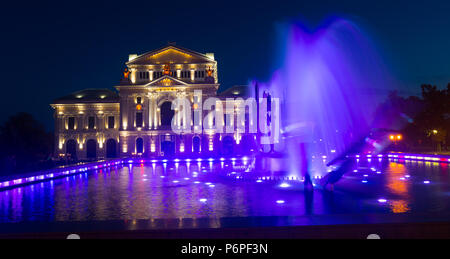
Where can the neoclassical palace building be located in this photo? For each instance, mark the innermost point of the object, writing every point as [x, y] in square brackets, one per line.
[135, 120]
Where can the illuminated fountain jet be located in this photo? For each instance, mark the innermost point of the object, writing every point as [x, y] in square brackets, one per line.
[330, 82]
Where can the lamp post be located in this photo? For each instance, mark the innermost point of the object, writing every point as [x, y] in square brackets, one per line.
[395, 138]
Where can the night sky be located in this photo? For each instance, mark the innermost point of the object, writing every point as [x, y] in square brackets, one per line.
[50, 49]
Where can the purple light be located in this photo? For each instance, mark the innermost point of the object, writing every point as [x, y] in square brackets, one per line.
[426, 182]
[203, 200]
[382, 200]
[280, 201]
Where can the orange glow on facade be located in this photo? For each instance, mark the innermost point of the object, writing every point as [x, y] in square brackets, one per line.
[209, 71]
[398, 187]
[138, 107]
[126, 73]
[166, 69]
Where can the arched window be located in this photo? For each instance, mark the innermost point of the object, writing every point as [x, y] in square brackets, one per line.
[111, 146]
[71, 148]
[196, 144]
[91, 148]
[166, 114]
[227, 145]
[139, 145]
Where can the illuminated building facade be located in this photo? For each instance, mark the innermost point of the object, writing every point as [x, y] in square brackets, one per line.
[138, 119]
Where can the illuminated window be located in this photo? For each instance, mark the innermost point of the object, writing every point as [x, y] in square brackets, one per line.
[71, 123]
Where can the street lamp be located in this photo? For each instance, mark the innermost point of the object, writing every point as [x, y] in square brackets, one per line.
[395, 138]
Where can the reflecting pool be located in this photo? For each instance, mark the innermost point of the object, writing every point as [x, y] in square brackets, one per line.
[218, 189]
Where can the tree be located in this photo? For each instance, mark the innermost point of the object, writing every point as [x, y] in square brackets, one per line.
[24, 144]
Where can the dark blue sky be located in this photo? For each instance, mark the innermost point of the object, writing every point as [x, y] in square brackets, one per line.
[50, 49]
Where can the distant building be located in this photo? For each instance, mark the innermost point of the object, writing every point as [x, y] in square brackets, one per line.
[136, 121]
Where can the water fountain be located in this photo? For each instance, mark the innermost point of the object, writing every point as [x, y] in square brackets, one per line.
[330, 82]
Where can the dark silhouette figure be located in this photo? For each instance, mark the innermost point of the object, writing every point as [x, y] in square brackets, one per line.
[346, 163]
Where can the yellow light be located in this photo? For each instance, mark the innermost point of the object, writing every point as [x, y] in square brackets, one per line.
[181, 147]
[195, 106]
[435, 132]
[391, 137]
[152, 147]
[399, 137]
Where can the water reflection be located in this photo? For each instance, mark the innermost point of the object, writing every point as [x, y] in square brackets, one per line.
[223, 189]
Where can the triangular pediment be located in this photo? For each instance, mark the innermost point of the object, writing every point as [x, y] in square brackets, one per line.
[166, 81]
[170, 55]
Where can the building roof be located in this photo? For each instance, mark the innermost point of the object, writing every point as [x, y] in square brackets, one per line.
[89, 96]
[170, 54]
[235, 91]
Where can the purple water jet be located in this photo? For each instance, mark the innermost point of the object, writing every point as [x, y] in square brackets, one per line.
[330, 83]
